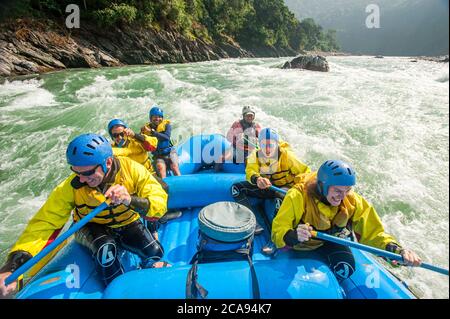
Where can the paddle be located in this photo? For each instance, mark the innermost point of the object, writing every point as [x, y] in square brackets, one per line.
[277, 189]
[370, 249]
[373, 250]
[77, 226]
[250, 142]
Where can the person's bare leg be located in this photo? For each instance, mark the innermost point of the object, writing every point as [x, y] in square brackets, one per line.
[174, 163]
[161, 264]
[175, 169]
[161, 167]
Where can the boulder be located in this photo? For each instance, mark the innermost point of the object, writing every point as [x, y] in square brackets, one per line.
[308, 62]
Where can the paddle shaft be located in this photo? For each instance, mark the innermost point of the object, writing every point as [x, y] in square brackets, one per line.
[33, 261]
[277, 189]
[369, 249]
[250, 142]
[373, 250]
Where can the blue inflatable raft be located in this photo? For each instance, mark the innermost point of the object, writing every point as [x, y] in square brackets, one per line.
[290, 274]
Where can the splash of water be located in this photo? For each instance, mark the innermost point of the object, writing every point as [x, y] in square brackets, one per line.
[388, 117]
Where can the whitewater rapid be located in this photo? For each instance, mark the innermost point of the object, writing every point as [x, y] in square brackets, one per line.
[388, 117]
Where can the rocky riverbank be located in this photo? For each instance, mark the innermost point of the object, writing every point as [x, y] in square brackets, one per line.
[324, 53]
[30, 46]
[440, 58]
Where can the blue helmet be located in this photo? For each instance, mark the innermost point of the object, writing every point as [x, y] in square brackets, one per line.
[268, 134]
[156, 110]
[334, 173]
[89, 149]
[115, 122]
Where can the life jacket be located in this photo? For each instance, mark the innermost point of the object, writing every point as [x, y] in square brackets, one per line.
[318, 215]
[87, 198]
[164, 146]
[134, 150]
[277, 170]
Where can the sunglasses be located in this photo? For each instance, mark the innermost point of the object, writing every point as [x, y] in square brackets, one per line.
[115, 135]
[85, 173]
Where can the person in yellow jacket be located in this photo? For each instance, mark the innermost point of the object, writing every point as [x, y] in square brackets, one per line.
[125, 142]
[165, 154]
[324, 201]
[136, 146]
[273, 164]
[97, 175]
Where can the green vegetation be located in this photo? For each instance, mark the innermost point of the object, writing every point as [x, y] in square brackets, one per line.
[252, 23]
[114, 14]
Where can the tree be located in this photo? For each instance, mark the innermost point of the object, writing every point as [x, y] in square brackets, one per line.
[252, 23]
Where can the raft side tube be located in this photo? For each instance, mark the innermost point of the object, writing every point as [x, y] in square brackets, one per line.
[372, 281]
[70, 275]
[276, 278]
[200, 189]
[202, 151]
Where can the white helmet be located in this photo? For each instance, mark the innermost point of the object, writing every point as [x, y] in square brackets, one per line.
[247, 109]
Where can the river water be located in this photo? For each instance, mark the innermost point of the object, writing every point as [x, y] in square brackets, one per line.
[388, 117]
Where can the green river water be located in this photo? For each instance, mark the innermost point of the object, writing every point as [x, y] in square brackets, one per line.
[388, 117]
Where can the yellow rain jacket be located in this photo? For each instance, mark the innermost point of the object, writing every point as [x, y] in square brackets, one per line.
[161, 126]
[137, 151]
[300, 208]
[282, 172]
[164, 145]
[65, 198]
